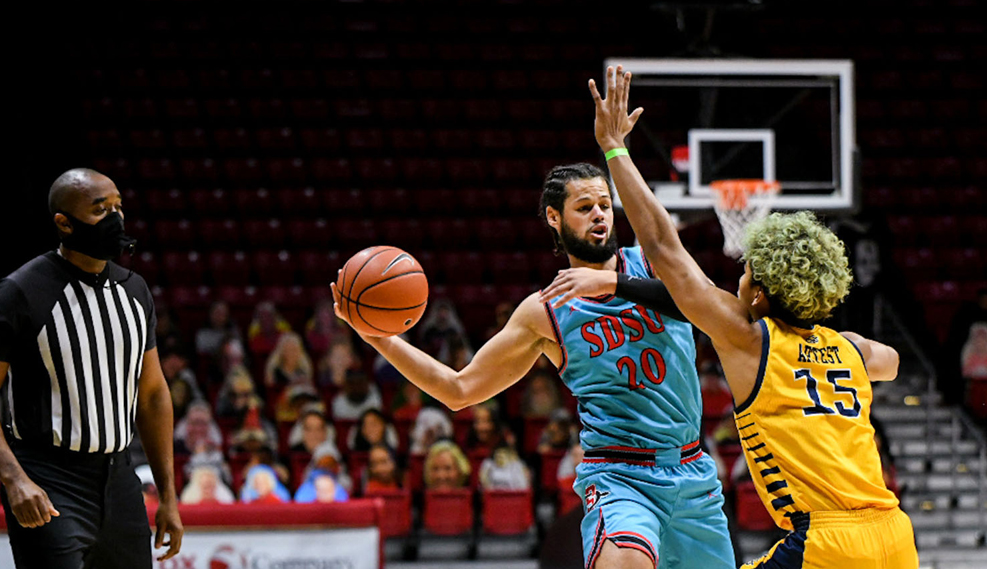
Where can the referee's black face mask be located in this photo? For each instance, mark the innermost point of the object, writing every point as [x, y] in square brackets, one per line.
[103, 240]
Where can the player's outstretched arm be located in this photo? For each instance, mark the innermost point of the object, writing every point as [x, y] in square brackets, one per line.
[718, 313]
[881, 360]
[500, 363]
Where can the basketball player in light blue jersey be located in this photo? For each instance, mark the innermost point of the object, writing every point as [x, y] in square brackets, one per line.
[651, 497]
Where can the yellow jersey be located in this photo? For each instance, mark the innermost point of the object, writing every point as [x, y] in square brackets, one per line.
[806, 429]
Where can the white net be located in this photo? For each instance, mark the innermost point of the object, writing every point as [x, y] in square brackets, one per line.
[737, 203]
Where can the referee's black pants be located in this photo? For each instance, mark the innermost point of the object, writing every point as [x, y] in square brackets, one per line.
[103, 522]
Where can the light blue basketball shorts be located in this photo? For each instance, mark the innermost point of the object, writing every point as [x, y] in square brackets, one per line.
[667, 504]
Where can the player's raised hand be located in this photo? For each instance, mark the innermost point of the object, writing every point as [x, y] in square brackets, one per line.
[580, 281]
[613, 124]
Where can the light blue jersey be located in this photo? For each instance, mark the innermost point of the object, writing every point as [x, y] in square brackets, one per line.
[632, 370]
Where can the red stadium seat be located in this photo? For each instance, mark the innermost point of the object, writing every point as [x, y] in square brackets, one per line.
[274, 268]
[448, 233]
[422, 171]
[377, 170]
[533, 428]
[182, 268]
[507, 512]
[174, 234]
[357, 463]
[509, 268]
[404, 233]
[549, 470]
[267, 233]
[466, 171]
[275, 138]
[409, 139]
[452, 139]
[200, 170]
[568, 500]
[229, 269]
[436, 201]
[457, 267]
[356, 233]
[210, 203]
[751, 515]
[252, 203]
[448, 512]
[397, 504]
[299, 202]
[496, 234]
[335, 170]
[304, 233]
[339, 202]
[415, 472]
[286, 171]
[396, 201]
[917, 264]
[322, 139]
[318, 267]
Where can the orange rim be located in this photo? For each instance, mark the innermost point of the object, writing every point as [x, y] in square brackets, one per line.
[733, 194]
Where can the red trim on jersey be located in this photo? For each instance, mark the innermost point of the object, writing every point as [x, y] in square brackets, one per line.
[558, 337]
[649, 551]
[691, 446]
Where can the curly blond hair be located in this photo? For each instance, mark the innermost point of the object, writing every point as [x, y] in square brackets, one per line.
[801, 264]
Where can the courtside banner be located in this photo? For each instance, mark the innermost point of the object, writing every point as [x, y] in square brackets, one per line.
[277, 536]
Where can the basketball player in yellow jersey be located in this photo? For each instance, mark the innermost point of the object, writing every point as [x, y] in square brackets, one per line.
[802, 391]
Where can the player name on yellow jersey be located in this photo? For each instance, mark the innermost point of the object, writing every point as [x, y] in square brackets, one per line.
[806, 429]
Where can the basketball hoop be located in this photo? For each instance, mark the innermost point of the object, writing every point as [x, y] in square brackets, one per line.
[739, 202]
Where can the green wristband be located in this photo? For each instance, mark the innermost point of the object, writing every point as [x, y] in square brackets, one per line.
[616, 152]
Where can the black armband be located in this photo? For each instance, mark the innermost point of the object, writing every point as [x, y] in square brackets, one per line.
[650, 293]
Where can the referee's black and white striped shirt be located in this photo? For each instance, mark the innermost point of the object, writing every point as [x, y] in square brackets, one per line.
[75, 343]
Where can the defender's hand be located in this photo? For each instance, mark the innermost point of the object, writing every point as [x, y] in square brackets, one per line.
[167, 521]
[30, 504]
[613, 124]
[580, 281]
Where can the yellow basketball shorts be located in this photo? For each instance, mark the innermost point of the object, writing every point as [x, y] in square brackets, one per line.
[862, 539]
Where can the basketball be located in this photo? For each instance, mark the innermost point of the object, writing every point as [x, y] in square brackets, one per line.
[383, 291]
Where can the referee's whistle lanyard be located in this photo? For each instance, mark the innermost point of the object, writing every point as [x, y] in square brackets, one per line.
[103, 240]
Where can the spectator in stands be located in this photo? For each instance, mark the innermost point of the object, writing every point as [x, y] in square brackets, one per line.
[431, 425]
[256, 436]
[488, 431]
[206, 487]
[288, 364]
[407, 402]
[541, 395]
[197, 431]
[358, 395]
[502, 313]
[504, 470]
[438, 329]
[460, 353]
[265, 330]
[148, 488]
[231, 356]
[323, 328]
[322, 487]
[181, 381]
[167, 331]
[372, 428]
[446, 467]
[558, 433]
[236, 395]
[334, 365]
[973, 358]
[292, 400]
[951, 355]
[311, 429]
[382, 473]
[566, 474]
[327, 458]
[263, 487]
[887, 459]
[209, 339]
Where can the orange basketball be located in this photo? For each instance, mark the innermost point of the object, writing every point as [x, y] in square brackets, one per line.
[383, 291]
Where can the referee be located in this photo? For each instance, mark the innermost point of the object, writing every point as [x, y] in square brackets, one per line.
[79, 370]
